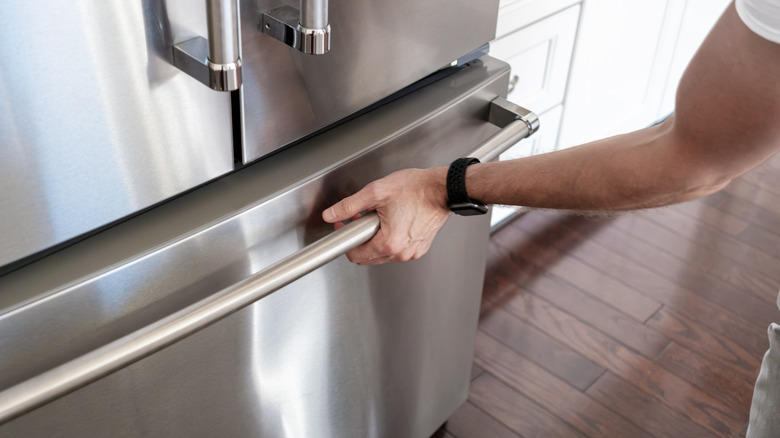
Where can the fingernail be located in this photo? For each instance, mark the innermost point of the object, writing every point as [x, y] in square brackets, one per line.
[329, 214]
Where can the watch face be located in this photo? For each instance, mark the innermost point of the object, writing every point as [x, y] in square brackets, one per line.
[468, 208]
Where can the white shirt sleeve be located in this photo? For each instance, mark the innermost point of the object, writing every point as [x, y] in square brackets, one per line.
[761, 16]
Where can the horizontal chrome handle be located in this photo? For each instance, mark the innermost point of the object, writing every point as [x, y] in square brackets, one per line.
[70, 376]
[215, 62]
[77, 373]
[516, 124]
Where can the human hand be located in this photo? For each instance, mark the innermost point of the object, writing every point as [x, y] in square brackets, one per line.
[411, 205]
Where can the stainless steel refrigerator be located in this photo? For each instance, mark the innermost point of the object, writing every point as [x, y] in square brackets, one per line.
[164, 270]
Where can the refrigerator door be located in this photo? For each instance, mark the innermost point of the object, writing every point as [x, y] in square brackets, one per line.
[95, 121]
[377, 48]
[346, 351]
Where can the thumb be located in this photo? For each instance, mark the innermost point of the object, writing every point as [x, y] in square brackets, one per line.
[345, 209]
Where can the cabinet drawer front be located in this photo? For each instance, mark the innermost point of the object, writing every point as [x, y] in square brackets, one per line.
[540, 55]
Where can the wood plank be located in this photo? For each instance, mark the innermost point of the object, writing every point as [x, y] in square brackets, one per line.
[540, 348]
[765, 178]
[643, 410]
[753, 194]
[762, 240]
[742, 364]
[684, 301]
[471, 422]
[742, 209]
[721, 266]
[614, 323]
[758, 284]
[711, 375]
[476, 370]
[516, 411]
[706, 410]
[743, 432]
[746, 305]
[715, 219]
[555, 395]
[524, 250]
[716, 242]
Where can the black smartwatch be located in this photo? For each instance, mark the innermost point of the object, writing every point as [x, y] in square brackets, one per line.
[458, 200]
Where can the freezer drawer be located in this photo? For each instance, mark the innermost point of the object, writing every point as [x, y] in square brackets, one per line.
[345, 351]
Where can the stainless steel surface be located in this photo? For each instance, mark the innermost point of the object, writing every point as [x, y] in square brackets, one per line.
[71, 376]
[215, 62]
[345, 351]
[516, 122]
[315, 41]
[314, 14]
[222, 16]
[68, 377]
[284, 25]
[504, 112]
[377, 48]
[101, 124]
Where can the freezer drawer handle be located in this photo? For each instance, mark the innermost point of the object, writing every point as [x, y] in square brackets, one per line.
[306, 29]
[516, 122]
[215, 62]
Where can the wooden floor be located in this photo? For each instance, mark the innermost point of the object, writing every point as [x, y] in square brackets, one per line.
[651, 323]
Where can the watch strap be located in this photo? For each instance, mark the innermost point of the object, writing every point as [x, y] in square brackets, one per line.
[456, 184]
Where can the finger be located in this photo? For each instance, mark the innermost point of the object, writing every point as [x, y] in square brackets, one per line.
[348, 207]
[365, 253]
[374, 249]
[377, 261]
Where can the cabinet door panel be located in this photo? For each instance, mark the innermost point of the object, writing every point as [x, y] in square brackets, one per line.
[516, 14]
[540, 55]
[624, 50]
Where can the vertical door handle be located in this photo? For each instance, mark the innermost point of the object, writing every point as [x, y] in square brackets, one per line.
[215, 62]
[306, 29]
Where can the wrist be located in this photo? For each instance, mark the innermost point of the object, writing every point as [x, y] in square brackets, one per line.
[436, 184]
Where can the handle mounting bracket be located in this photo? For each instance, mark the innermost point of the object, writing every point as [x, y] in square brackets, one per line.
[284, 24]
[192, 57]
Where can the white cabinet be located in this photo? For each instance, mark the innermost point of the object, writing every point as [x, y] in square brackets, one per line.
[517, 14]
[629, 57]
[624, 49]
[539, 55]
[596, 68]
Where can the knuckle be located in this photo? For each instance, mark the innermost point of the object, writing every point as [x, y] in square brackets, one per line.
[394, 247]
[375, 191]
[345, 207]
[403, 257]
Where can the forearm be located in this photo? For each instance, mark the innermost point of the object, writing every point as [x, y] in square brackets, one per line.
[637, 170]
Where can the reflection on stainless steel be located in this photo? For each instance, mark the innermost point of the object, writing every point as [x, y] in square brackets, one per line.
[101, 125]
[70, 376]
[346, 351]
[504, 112]
[516, 123]
[378, 48]
[222, 16]
[283, 24]
[314, 14]
[215, 62]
